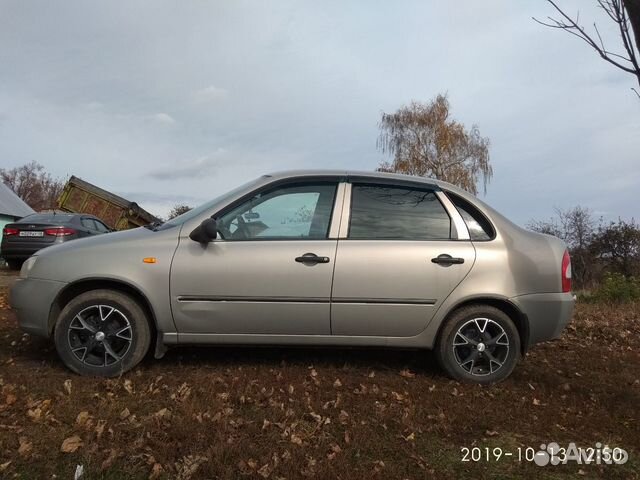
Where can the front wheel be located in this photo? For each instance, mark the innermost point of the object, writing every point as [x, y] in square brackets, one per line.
[102, 333]
[478, 344]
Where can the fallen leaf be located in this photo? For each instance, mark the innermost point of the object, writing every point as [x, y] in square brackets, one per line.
[536, 402]
[125, 413]
[491, 433]
[265, 471]
[156, 471]
[296, 439]
[163, 413]
[406, 373]
[183, 392]
[128, 386]
[82, 418]
[4, 466]
[100, 427]
[337, 383]
[343, 417]
[397, 397]
[25, 446]
[113, 454]
[71, 444]
[67, 386]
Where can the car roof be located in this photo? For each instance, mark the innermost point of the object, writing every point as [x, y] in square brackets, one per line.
[358, 173]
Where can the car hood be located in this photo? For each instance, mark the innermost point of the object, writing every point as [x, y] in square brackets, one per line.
[112, 255]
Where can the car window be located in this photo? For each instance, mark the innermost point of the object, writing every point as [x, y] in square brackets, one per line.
[101, 227]
[295, 212]
[88, 223]
[380, 212]
[479, 227]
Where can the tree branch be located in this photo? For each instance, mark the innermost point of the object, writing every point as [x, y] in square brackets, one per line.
[616, 11]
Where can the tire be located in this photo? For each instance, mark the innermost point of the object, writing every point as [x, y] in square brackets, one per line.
[15, 264]
[102, 333]
[478, 344]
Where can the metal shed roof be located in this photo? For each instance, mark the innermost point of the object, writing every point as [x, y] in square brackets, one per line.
[11, 204]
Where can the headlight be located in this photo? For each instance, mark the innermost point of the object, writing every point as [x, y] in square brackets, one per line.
[27, 266]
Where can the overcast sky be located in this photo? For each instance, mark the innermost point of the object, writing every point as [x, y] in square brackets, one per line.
[166, 102]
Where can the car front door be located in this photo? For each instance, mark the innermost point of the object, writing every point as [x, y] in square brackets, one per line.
[270, 270]
[401, 256]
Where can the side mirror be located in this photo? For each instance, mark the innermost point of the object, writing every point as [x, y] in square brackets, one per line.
[205, 232]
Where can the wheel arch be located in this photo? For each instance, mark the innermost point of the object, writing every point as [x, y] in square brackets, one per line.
[518, 317]
[79, 287]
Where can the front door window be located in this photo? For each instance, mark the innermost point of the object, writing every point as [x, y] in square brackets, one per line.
[293, 212]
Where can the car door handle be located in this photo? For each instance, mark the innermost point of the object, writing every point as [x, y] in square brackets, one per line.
[445, 259]
[312, 259]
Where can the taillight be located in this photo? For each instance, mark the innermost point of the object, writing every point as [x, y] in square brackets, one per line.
[59, 232]
[7, 231]
[566, 272]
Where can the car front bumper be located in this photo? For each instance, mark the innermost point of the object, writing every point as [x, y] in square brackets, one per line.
[547, 313]
[31, 299]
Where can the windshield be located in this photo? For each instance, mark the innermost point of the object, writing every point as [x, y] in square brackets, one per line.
[180, 219]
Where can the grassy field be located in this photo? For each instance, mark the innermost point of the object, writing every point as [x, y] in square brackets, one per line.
[319, 413]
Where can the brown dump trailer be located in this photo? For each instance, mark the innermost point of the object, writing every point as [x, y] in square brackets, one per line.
[118, 213]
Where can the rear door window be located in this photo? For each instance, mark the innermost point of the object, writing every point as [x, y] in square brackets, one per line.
[385, 212]
[88, 223]
[101, 227]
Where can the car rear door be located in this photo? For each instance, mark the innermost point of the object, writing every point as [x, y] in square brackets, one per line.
[87, 227]
[269, 272]
[400, 254]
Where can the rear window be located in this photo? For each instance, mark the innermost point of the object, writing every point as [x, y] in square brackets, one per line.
[478, 225]
[47, 218]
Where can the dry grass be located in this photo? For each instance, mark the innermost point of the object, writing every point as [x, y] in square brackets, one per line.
[292, 413]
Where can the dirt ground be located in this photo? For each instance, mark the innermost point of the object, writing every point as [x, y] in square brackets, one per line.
[320, 413]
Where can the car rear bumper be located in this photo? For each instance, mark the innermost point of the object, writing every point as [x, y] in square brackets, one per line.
[21, 250]
[547, 314]
[31, 299]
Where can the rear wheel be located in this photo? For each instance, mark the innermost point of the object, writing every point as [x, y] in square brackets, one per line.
[102, 333]
[479, 344]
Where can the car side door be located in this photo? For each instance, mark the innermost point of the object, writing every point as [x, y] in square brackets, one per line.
[400, 254]
[270, 270]
[100, 227]
[88, 227]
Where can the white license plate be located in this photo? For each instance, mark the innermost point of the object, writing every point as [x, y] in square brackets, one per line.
[31, 234]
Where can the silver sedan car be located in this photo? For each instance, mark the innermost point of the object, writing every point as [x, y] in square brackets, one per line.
[307, 258]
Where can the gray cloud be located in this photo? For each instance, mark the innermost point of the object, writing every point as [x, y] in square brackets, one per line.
[210, 94]
[195, 98]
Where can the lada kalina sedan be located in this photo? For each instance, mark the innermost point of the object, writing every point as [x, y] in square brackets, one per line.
[307, 258]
